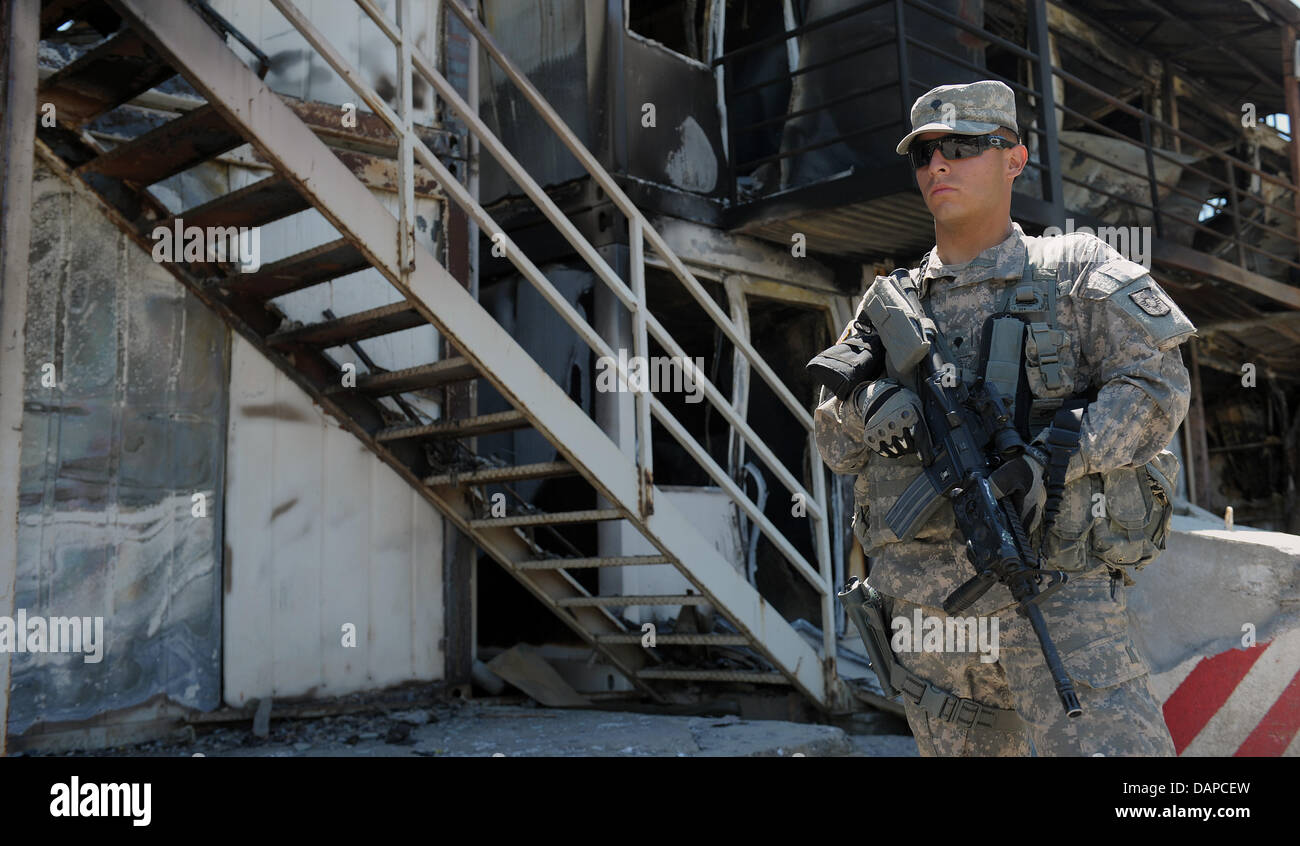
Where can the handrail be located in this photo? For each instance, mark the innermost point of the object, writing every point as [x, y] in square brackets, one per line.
[641, 233]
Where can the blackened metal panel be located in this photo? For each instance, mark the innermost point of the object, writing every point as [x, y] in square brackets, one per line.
[547, 41]
[113, 456]
[869, 40]
[683, 148]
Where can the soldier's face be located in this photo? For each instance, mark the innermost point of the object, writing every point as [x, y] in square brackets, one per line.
[969, 189]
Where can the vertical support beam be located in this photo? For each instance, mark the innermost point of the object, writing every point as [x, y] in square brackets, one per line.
[20, 25]
[717, 46]
[904, 66]
[460, 554]
[1199, 458]
[615, 414]
[1292, 88]
[472, 97]
[615, 73]
[1170, 92]
[1040, 43]
[640, 349]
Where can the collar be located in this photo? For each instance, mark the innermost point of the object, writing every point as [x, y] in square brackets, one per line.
[1001, 261]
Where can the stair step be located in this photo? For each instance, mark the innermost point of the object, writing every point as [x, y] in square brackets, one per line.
[678, 639]
[434, 375]
[173, 147]
[519, 473]
[262, 202]
[302, 270]
[467, 427]
[121, 68]
[579, 563]
[371, 323]
[630, 601]
[548, 518]
[752, 676]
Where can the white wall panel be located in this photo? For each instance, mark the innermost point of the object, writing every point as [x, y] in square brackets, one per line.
[320, 533]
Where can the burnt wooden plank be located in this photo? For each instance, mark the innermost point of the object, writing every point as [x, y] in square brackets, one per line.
[173, 147]
[258, 204]
[354, 327]
[121, 68]
[301, 270]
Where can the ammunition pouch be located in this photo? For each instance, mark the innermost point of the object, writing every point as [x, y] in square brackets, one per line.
[1049, 361]
[1120, 518]
[1139, 508]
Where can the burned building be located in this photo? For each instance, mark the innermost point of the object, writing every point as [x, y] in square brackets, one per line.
[520, 355]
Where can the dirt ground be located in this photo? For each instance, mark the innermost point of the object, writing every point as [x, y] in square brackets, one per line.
[475, 729]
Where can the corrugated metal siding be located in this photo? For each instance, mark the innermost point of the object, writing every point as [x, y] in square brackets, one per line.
[111, 460]
[320, 534]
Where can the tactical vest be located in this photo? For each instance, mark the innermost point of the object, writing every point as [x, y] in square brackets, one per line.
[1120, 518]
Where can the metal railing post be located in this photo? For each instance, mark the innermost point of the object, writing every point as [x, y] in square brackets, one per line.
[645, 457]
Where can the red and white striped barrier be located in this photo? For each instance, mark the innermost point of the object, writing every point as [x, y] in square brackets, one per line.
[1242, 703]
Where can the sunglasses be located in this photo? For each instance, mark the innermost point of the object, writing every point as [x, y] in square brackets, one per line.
[955, 147]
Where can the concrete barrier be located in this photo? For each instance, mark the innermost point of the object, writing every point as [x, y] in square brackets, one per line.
[1218, 618]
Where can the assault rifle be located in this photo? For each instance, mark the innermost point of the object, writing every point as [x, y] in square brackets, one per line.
[963, 436]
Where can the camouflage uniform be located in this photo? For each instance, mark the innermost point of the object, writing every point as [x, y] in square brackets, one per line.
[1121, 336]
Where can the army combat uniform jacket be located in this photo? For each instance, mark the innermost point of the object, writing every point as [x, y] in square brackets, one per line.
[1099, 326]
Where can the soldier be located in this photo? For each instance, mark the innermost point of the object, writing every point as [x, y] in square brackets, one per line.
[1098, 332]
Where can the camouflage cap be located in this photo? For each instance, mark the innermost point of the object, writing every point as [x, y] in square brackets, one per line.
[973, 108]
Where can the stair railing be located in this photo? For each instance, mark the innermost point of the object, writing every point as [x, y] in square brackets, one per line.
[641, 233]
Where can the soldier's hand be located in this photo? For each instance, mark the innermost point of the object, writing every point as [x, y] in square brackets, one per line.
[890, 413]
[1022, 479]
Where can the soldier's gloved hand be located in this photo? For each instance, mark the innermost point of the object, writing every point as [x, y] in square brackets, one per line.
[1022, 479]
[890, 413]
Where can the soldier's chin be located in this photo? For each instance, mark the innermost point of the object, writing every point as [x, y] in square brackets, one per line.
[949, 212]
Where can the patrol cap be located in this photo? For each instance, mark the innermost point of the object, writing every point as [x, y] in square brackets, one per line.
[972, 108]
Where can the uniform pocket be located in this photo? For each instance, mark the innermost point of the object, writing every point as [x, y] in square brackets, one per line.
[1049, 361]
[1066, 545]
[1105, 662]
[1120, 538]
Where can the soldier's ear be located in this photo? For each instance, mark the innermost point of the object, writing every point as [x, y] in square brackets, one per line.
[1017, 158]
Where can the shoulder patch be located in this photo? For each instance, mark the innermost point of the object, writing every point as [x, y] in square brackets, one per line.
[1151, 300]
[1154, 310]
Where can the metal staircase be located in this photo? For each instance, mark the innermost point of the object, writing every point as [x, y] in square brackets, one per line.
[157, 40]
